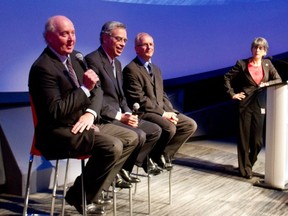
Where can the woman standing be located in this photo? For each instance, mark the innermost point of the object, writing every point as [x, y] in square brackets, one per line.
[245, 82]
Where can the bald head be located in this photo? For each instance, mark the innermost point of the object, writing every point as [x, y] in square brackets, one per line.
[60, 34]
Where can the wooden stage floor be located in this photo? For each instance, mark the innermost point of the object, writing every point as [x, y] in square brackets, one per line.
[205, 182]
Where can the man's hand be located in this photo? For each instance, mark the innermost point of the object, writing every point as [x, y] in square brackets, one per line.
[90, 78]
[171, 116]
[129, 119]
[84, 122]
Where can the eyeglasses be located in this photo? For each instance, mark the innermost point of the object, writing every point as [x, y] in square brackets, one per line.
[119, 39]
[146, 45]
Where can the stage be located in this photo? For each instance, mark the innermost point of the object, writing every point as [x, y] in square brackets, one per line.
[205, 182]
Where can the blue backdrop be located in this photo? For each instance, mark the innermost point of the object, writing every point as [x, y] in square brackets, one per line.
[191, 36]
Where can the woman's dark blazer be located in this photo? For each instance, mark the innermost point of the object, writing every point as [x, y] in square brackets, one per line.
[238, 79]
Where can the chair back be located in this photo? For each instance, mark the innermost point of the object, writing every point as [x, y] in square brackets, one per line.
[34, 150]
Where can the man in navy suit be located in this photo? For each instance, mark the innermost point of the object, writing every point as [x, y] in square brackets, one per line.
[68, 112]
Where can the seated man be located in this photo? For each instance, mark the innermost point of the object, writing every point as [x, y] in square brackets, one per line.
[67, 103]
[103, 61]
[143, 84]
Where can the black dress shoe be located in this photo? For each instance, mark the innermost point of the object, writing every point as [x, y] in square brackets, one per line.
[151, 168]
[70, 199]
[103, 202]
[93, 209]
[121, 183]
[127, 177]
[165, 162]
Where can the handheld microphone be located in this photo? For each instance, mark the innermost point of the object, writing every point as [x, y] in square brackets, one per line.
[135, 108]
[81, 60]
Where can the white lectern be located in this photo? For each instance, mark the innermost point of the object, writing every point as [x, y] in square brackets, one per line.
[276, 153]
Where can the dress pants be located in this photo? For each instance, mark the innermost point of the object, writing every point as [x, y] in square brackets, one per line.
[112, 146]
[251, 126]
[148, 134]
[172, 136]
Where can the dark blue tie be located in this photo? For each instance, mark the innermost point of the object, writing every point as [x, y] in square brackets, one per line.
[150, 71]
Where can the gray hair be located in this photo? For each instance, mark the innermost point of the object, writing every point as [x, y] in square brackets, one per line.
[260, 41]
[139, 36]
[108, 27]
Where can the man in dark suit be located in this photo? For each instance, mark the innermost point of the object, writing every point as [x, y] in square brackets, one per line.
[67, 106]
[104, 62]
[143, 83]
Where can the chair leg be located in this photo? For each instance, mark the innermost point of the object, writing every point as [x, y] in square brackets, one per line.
[114, 197]
[65, 187]
[137, 174]
[130, 202]
[54, 188]
[170, 187]
[149, 193]
[27, 192]
[83, 187]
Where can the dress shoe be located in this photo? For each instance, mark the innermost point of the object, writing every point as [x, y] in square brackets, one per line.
[248, 173]
[103, 202]
[121, 183]
[150, 167]
[127, 176]
[165, 162]
[248, 176]
[93, 209]
[70, 199]
[78, 205]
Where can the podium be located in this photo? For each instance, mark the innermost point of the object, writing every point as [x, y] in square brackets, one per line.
[276, 153]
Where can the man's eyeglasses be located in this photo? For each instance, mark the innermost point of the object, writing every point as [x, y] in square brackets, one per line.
[119, 39]
[146, 45]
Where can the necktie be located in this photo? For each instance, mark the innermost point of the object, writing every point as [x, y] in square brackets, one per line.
[150, 71]
[72, 73]
[113, 67]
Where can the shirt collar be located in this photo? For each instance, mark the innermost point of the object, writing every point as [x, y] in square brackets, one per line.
[62, 58]
[143, 62]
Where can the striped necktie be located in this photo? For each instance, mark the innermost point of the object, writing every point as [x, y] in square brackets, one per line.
[72, 73]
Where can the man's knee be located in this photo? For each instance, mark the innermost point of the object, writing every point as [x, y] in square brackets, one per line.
[117, 148]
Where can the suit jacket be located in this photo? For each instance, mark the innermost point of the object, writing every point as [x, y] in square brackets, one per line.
[141, 88]
[114, 98]
[59, 104]
[238, 79]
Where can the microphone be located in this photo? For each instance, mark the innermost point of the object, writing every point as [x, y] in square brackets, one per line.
[81, 60]
[277, 60]
[135, 108]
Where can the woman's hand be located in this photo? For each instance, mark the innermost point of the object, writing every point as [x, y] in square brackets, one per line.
[239, 96]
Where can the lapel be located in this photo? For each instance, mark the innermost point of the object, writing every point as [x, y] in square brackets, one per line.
[144, 72]
[247, 73]
[109, 69]
[61, 67]
[265, 66]
[78, 70]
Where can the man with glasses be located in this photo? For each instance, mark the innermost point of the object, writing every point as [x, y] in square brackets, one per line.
[67, 104]
[143, 84]
[113, 38]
